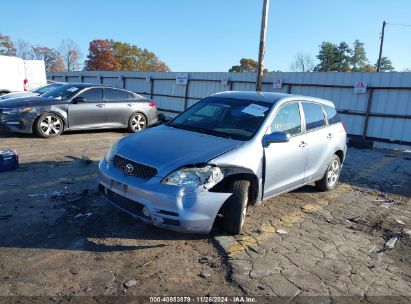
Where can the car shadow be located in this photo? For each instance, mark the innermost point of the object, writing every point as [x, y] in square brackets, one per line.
[65, 211]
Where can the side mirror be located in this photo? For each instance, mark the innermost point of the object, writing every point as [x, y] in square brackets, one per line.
[276, 137]
[78, 99]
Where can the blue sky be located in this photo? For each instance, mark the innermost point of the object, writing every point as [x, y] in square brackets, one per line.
[212, 35]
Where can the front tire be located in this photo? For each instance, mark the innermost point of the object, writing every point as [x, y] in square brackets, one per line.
[235, 208]
[48, 125]
[331, 175]
[137, 122]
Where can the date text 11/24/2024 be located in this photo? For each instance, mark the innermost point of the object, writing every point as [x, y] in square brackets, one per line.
[205, 299]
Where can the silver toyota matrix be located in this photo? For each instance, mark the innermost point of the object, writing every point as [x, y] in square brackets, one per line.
[229, 151]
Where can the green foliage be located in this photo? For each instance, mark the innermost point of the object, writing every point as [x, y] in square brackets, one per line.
[359, 59]
[386, 65]
[132, 58]
[246, 65]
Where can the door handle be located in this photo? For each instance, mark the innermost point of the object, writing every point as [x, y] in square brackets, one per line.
[303, 144]
[100, 105]
[329, 136]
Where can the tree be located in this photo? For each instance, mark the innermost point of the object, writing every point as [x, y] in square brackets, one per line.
[23, 49]
[52, 59]
[246, 65]
[132, 58]
[386, 65]
[100, 57]
[343, 59]
[328, 56]
[6, 46]
[302, 63]
[359, 59]
[71, 54]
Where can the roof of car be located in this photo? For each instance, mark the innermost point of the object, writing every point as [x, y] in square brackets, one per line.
[267, 96]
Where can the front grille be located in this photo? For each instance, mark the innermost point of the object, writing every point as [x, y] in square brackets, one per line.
[130, 167]
[128, 205]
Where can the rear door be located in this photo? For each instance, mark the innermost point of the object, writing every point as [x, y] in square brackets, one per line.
[319, 149]
[285, 162]
[119, 106]
[88, 114]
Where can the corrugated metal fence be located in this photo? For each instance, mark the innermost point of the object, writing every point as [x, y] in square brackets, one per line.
[382, 114]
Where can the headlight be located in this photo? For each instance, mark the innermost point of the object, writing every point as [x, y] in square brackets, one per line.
[206, 176]
[110, 153]
[17, 110]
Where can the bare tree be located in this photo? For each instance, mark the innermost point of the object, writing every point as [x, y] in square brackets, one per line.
[302, 63]
[24, 49]
[71, 55]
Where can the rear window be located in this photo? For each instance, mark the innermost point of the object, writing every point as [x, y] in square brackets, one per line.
[333, 116]
[116, 95]
[314, 115]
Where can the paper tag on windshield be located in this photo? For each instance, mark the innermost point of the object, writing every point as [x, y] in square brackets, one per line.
[72, 89]
[255, 110]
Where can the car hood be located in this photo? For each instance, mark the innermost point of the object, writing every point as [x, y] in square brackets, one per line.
[31, 101]
[17, 95]
[166, 148]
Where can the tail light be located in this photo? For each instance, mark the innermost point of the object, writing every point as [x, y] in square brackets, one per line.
[152, 104]
[25, 85]
[344, 129]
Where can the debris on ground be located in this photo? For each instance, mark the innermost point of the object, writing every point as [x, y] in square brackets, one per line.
[391, 242]
[204, 275]
[130, 283]
[281, 231]
[81, 215]
[86, 160]
[203, 260]
[400, 221]
[44, 195]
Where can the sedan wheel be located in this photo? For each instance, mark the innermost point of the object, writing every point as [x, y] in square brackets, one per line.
[137, 122]
[49, 125]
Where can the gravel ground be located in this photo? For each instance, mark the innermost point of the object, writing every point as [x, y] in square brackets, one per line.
[58, 238]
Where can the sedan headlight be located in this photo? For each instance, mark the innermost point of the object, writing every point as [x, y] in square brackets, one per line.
[111, 152]
[206, 176]
[17, 110]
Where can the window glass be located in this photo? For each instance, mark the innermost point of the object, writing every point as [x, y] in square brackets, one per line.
[332, 115]
[92, 94]
[116, 95]
[224, 117]
[314, 116]
[287, 119]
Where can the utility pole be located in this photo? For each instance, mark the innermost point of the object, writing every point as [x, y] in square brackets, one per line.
[381, 44]
[260, 67]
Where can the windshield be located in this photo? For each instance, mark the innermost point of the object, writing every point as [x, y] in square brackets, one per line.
[47, 88]
[64, 92]
[230, 118]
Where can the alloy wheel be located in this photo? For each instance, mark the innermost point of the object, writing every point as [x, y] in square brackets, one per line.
[333, 173]
[50, 125]
[138, 122]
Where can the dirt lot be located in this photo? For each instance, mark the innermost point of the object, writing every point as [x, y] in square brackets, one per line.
[58, 238]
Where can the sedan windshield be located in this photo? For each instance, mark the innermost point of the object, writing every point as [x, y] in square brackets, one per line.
[224, 117]
[64, 92]
[47, 88]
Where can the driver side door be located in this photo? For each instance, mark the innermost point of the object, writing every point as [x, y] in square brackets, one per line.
[89, 113]
[285, 162]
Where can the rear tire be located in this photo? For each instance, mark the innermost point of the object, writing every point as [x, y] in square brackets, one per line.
[331, 175]
[48, 125]
[137, 122]
[235, 208]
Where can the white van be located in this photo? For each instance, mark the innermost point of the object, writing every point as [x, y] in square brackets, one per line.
[18, 75]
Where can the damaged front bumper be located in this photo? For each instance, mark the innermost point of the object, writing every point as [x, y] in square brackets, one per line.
[17, 123]
[172, 207]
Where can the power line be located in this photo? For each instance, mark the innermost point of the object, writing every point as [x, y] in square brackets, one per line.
[399, 24]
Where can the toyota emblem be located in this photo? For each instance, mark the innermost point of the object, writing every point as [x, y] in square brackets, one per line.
[129, 168]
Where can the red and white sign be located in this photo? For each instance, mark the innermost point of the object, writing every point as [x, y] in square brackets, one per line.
[277, 84]
[360, 87]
